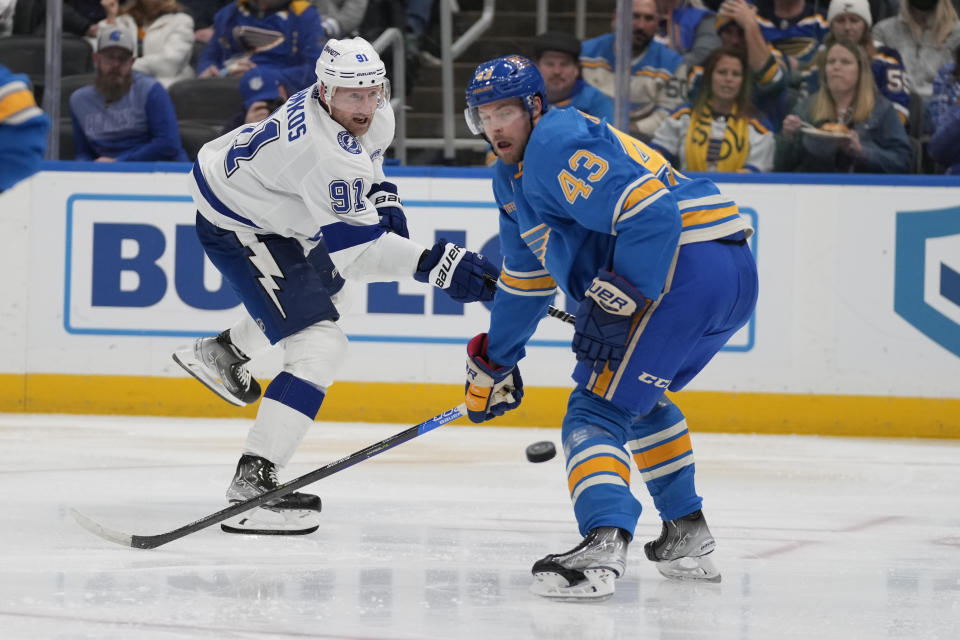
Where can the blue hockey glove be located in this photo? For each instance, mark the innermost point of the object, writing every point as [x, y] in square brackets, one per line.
[463, 275]
[491, 390]
[606, 316]
[384, 197]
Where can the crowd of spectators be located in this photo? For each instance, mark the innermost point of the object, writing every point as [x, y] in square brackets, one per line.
[862, 86]
[716, 85]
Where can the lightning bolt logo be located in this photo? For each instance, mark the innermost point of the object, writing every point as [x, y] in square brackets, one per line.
[269, 270]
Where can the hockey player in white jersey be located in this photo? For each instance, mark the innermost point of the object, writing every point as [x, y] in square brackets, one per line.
[287, 209]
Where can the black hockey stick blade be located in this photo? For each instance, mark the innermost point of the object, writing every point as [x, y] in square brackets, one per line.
[154, 541]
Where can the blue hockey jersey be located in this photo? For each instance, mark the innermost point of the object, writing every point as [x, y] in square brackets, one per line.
[23, 129]
[588, 197]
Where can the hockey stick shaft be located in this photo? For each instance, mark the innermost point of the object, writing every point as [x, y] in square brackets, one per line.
[153, 541]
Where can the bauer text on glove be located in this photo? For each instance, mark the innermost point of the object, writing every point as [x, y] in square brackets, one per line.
[462, 274]
[384, 197]
[606, 317]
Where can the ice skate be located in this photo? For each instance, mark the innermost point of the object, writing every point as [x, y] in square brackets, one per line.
[586, 572]
[683, 550]
[293, 514]
[221, 367]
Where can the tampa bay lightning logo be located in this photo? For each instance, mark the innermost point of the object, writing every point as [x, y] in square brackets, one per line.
[348, 142]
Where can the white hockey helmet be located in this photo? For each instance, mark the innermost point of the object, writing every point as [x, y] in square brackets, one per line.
[351, 63]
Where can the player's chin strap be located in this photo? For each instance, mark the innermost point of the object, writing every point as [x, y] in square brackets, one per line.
[552, 311]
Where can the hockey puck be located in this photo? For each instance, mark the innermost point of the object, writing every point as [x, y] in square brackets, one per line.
[541, 451]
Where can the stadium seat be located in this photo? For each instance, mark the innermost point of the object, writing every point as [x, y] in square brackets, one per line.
[69, 84]
[67, 149]
[27, 54]
[211, 101]
[194, 135]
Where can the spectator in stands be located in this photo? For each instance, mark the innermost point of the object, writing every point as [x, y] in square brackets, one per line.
[123, 115]
[943, 116]
[737, 26]
[413, 18]
[796, 28]
[80, 17]
[851, 20]
[23, 130]
[925, 33]
[946, 92]
[847, 125]
[657, 74]
[165, 34]
[557, 55]
[7, 8]
[721, 130]
[262, 92]
[687, 29]
[341, 18]
[284, 35]
[202, 12]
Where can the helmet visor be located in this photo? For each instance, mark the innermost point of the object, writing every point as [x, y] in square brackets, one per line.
[491, 117]
[361, 99]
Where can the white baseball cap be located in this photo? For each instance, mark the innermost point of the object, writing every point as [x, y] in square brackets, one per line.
[116, 37]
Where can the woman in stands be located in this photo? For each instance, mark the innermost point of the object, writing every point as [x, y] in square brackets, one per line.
[721, 130]
[165, 33]
[846, 126]
[925, 33]
[851, 20]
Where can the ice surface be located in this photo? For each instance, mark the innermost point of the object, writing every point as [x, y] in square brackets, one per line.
[818, 538]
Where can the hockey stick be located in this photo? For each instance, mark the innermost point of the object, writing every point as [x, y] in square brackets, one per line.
[154, 541]
[553, 312]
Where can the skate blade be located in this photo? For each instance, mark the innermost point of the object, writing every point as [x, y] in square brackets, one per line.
[597, 587]
[700, 569]
[186, 359]
[273, 522]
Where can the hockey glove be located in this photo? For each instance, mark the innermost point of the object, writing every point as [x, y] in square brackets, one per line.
[463, 275]
[491, 390]
[384, 197]
[605, 318]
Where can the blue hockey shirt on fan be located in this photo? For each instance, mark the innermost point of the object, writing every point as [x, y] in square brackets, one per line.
[139, 127]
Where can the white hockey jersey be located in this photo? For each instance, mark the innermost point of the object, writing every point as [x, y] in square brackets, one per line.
[300, 174]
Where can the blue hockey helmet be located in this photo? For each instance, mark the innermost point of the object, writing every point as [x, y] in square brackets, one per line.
[507, 77]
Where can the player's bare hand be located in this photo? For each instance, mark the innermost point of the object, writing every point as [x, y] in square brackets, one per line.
[792, 124]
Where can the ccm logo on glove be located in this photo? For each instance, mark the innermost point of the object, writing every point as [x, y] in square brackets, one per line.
[611, 299]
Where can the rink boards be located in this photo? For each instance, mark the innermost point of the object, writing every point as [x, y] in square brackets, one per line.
[857, 331]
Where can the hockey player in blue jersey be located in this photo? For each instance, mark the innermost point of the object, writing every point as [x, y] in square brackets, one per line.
[23, 130]
[660, 267]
